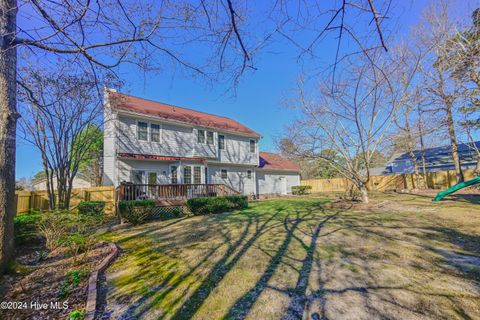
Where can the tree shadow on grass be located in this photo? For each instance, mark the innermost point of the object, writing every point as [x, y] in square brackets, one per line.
[159, 292]
[298, 294]
[243, 305]
[234, 251]
[147, 229]
[466, 260]
[254, 222]
[221, 268]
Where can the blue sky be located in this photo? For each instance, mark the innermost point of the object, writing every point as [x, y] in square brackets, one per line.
[257, 101]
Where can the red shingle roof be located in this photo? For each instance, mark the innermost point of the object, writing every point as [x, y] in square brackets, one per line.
[128, 103]
[274, 161]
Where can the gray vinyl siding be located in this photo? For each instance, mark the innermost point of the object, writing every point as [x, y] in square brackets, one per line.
[269, 182]
[181, 141]
[174, 140]
[237, 151]
[125, 168]
[110, 128]
[236, 177]
[205, 149]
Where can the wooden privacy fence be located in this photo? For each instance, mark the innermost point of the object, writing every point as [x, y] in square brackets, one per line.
[435, 180]
[38, 200]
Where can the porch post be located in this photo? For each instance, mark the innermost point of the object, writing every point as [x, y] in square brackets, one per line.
[180, 172]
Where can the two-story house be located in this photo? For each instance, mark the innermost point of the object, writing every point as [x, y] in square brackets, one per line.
[147, 142]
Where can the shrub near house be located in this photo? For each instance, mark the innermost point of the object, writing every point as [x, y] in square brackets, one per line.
[301, 190]
[95, 208]
[136, 211]
[206, 205]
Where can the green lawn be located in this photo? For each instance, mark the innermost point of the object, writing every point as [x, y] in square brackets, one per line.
[403, 257]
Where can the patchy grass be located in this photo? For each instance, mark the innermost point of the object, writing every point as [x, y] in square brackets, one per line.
[400, 257]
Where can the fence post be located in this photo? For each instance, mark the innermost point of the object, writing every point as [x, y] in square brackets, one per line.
[118, 193]
[30, 201]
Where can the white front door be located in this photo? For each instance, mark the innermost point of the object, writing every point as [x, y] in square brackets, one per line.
[283, 185]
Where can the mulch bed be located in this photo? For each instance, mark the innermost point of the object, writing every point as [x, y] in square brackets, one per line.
[44, 281]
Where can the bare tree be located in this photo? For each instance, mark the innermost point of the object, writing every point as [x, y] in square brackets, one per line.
[57, 111]
[410, 99]
[463, 51]
[352, 120]
[91, 165]
[421, 139]
[104, 34]
[149, 34]
[444, 94]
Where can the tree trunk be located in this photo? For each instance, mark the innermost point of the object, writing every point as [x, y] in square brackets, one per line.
[422, 148]
[415, 169]
[424, 166]
[8, 123]
[49, 184]
[68, 192]
[477, 167]
[364, 193]
[454, 145]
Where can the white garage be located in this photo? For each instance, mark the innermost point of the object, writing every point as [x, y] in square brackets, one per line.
[276, 174]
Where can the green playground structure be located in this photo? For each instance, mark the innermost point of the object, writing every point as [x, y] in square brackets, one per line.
[455, 188]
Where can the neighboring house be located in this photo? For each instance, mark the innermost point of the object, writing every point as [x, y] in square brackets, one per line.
[436, 159]
[78, 182]
[147, 142]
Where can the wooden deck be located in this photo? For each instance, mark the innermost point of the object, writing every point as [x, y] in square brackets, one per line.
[172, 194]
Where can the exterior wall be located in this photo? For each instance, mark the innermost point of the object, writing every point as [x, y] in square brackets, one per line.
[181, 141]
[161, 168]
[204, 149]
[269, 182]
[110, 128]
[237, 151]
[77, 183]
[236, 177]
[174, 140]
[125, 168]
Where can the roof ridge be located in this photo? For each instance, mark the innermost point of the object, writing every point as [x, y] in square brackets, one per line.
[172, 105]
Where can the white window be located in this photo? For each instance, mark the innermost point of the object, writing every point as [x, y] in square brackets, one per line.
[142, 131]
[154, 132]
[252, 146]
[249, 174]
[187, 175]
[197, 175]
[223, 173]
[221, 142]
[209, 137]
[200, 136]
[173, 175]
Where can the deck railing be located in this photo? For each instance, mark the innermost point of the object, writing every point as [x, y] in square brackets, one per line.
[160, 192]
